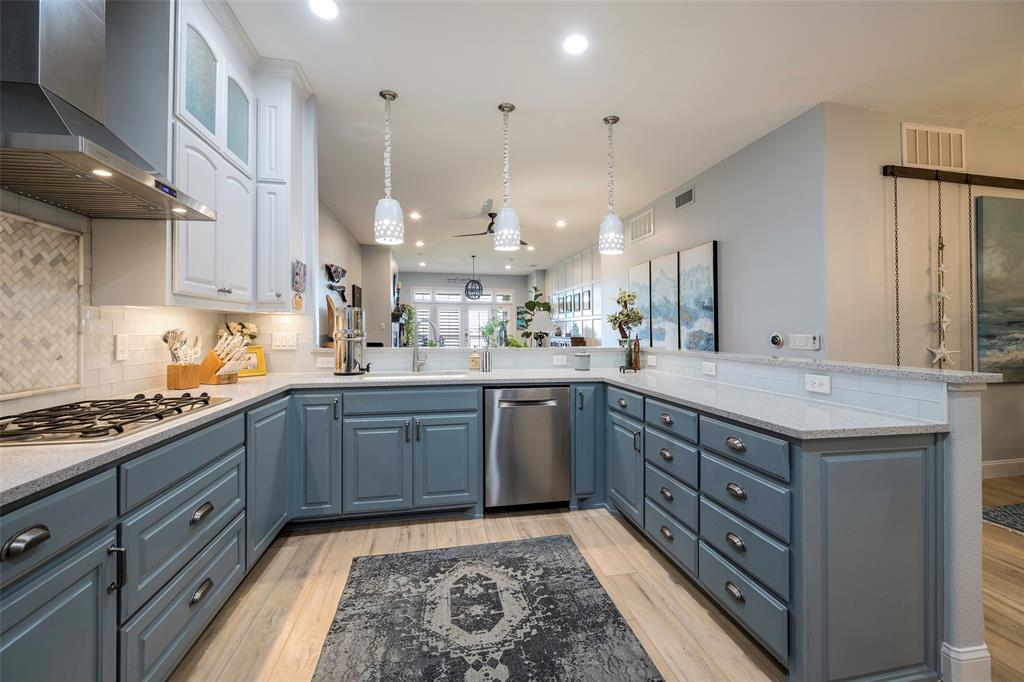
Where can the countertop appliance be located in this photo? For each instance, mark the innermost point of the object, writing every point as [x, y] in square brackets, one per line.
[349, 341]
[54, 145]
[526, 449]
[97, 420]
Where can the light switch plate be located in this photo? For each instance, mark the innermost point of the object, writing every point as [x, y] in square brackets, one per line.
[709, 368]
[805, 342]
[818, 383]
[325, 362]
[120, 347]
[652, 360]
[282, 341]
[558, 360]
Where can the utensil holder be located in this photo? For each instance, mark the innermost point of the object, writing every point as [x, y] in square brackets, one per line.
[208, 371]
[180, 377]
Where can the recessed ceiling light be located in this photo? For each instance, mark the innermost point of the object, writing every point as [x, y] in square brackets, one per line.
[575, 44]
[102, 172]
[415, 215]
[325, 9]
[422, 264]
[178, 209]
[419, 243]
[559, 223]
[508, 267]
[531, 247]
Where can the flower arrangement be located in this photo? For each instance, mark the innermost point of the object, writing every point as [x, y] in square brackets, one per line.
[626, 318]
[247, 329]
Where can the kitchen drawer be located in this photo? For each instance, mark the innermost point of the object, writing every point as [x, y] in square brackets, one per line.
[750, 549]
[763, 615]
[626, 402]
[744, 492]
[672, 496]
[754, 449]
[671, 537]
[144, 477]
[672, 455]
[411, 400]
[54, 523]
[676, 420]
[168, 532]
[157, 638]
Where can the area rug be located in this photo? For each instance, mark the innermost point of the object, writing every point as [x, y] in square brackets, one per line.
[522, 610]
[1009, 516]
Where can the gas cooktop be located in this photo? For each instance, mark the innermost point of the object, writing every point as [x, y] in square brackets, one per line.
[98, 420]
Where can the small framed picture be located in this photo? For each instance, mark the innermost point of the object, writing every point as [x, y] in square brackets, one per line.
[577, 305]
[586, 300]
[255, 362]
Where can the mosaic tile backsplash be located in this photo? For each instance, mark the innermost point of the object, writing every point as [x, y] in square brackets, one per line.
[39, 306]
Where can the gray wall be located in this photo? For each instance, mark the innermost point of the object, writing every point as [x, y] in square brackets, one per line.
[765, 206]
[338, 246]
[377, 268]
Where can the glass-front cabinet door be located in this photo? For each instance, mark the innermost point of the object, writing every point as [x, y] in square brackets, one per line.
[239, 130]
[200, 72]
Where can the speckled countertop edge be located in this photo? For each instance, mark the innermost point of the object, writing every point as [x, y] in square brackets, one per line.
[28, 470]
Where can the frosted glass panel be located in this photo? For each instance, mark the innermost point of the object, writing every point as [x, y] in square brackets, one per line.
[238, 121]
[200, 80]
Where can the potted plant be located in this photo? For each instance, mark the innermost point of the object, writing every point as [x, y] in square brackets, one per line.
[626, 319]
[532, 307]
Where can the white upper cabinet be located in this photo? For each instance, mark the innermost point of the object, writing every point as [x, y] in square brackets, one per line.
[239, 127]
[236, 222]
[195, 242]
[274, 122]
[273, 264]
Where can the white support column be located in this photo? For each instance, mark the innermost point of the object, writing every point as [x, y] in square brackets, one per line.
[965, 657]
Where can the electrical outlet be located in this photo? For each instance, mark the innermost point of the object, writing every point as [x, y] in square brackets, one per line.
[805, 342]
[120, 347]
[709, 368]
[652, 360]
[818, 383]
[324, 361]
[282, 341]
[558, 360]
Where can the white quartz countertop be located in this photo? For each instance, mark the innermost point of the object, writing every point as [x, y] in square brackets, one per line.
[27, 470]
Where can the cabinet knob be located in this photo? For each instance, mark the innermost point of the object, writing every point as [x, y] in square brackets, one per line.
[25, 541]
[666, 455]
[622, 403]
[736, 491]
[736, 542]
[735, 444]
[225, 290]
[666, 532]
[666, 419]
[277, 294]
[734, 591]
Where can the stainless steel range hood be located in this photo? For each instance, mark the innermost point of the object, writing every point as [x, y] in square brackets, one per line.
[53, 144]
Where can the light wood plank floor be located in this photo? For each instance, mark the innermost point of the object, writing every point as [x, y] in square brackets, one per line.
[1003, 583]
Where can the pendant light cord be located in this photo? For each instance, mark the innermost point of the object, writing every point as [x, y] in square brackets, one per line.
[896, 258]
[505, 179]
[387, 147]
[971, 267]
[941, 278]
[611, 171]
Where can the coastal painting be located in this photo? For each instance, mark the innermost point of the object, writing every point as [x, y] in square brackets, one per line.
[698, 297]
[1001, 287]
[639, 283]
[665, 301]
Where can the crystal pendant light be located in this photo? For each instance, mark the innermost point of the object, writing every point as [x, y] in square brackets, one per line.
[506, 223]
[388, 221]
[611, 239]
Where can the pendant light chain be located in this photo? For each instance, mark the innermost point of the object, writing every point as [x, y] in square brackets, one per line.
[941, 278]
[971, 265]
[505, 178]
[611, 171]
[387, 147]
[896, 257]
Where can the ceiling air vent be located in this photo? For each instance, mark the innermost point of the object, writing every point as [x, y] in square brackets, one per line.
[934, 147]
[641, 226]
[684, 198]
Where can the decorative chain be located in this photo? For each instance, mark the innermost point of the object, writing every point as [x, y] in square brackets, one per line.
[611, 171]
[896, 257]
[387, 147]
[506, 183]
[970, 261]
[941, 277]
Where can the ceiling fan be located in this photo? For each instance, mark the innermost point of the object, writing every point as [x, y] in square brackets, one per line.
[488, 231]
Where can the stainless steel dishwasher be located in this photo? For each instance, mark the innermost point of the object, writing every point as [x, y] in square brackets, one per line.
[527, 447]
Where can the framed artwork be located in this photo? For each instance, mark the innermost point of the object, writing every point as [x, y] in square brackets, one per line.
[665, 301]
[698, 297]
[639, 282]
[255, 362]
[586, 300]
[577, 304]
[1000, 305]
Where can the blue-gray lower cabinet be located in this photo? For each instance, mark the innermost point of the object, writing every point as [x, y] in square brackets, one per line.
[316, 455]
[377, 464]
[625, 465]
[588, 442]
[62, 622]
[446, 460]
[267, 485]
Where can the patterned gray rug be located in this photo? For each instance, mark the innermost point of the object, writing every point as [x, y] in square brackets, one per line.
[522, 610]
[1009, 516]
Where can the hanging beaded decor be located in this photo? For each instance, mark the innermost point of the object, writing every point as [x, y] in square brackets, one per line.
[940, 354]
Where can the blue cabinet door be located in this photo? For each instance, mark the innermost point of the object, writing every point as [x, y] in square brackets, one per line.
[586, 442]
[377, 464]
[267, 485]
[446, 460]
[62, 623]
[625, 463]
[316, 455]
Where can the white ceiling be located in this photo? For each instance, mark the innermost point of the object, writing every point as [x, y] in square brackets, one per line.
[693, 83]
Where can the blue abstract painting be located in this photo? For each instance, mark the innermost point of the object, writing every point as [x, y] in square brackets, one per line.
[1001, 286]
[665, 301]
[698, 296]
[639, 283]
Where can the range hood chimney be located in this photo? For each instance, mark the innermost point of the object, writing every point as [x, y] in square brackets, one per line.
[54, 146]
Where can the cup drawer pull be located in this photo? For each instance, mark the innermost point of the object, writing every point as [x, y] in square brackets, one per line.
[666, 493]
[201, 512]
[666, 532]
[200, 594]
[666, 455]
[24, 542]
[734, 591]
[736, 444]
[666, 419]
[736, 542]
[736, 491]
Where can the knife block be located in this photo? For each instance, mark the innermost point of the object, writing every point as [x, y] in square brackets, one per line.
[180, 377]
[208, 371]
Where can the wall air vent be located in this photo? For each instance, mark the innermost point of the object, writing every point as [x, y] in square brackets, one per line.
[684, 198]
[934, 147]
[641, 226]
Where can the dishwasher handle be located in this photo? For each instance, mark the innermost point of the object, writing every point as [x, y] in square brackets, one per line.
[545, 402]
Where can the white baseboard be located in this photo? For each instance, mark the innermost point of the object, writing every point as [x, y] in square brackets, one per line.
[968, 664]
[999, 468]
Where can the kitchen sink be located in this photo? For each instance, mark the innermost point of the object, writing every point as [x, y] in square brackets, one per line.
[412, 376]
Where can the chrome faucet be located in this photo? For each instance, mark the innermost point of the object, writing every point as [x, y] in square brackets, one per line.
[417, 363]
